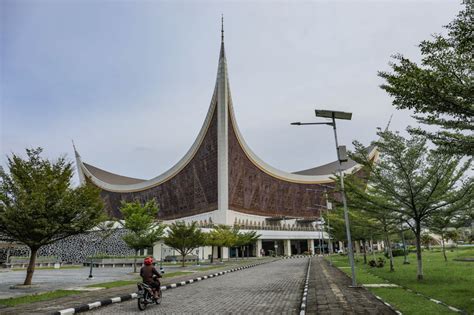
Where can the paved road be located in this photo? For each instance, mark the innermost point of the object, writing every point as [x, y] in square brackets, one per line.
[274, 288]
[329, 293]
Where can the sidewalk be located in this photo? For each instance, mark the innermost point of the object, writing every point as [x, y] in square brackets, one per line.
[51, 306]
[329, 293]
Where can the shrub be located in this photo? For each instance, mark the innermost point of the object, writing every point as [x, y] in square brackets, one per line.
[372, 263]
[380, 262]
[396, 252]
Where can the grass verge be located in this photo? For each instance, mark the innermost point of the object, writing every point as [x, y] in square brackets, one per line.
[121, 283]
[450, 282]
[37, 297]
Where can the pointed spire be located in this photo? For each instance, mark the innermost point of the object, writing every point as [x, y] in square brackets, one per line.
[75, 150]
[388, 124]
[222, 52]
[222, 28]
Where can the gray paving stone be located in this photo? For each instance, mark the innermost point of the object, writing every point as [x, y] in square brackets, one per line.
[274, 288]
[329, 293]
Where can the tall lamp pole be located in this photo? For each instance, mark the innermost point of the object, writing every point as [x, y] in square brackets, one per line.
[333, 115]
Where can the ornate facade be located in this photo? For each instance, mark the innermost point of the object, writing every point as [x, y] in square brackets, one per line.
[220, 179]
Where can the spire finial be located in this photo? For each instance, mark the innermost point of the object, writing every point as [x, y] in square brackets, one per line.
[222, 28]
[389, 121]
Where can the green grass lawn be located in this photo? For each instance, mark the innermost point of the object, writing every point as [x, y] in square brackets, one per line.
[37, 297]
[451, 282]
[121, 283]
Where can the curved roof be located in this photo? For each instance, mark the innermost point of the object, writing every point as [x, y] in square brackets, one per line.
[118, 183]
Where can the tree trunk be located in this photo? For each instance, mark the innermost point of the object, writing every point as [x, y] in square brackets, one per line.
[443, 247]
[212, 254]
[31, 266]
[372, 247]
[365, 252]
[183, 262]
[135, 262]
[419, 270]
[389, 249]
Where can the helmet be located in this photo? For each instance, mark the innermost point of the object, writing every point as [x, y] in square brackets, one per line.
[148, 261]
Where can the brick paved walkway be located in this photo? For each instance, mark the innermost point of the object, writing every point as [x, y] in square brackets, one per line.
[329, 293]
[274, 288]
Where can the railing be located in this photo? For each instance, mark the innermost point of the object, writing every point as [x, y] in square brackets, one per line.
[271, 227]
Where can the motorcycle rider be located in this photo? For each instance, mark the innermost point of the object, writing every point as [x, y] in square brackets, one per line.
[150, 276]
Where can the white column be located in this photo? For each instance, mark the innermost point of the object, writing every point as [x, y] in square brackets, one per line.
[157, 251]
[311, 246]
[259, 248]
[341, 247]
[225, 253]
[357, 247]
[287, 245]
[222, 141]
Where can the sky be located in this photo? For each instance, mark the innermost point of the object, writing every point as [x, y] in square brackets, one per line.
[131, 81]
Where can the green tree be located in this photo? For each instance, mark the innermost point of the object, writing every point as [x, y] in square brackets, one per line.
[442, 220]
[220, 236]
[426, 240]
[382, 220]
[38, 206]
[441, 90]
[240, 240]
[140, 222]
[249, 238]
[184, 238]
[412, 181]
[363, 228]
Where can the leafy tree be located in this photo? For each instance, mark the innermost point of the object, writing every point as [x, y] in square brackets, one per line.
[38, 206]
[441, 89]
[452, 235]
[240, 240]
[363, 228]
[143, 230]
[249, 238]
[382, 220]
[426, 240]
[442, 220]
[184, 238]
[411, 181]
[220, 236]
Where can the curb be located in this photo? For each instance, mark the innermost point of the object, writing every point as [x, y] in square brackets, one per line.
[97, 304]
[305, 290]
[298, 256]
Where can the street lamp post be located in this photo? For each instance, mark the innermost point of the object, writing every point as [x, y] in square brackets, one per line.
[94, 242]
[161, 256]
[328, 207]
[333, 115]
[320, 235]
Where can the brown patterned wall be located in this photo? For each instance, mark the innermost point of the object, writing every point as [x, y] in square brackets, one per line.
[192, 191]
[253, 191]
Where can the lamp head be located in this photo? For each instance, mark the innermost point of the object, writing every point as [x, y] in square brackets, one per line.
[333, 114]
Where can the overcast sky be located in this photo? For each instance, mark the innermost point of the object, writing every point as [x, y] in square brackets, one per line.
[131, 81]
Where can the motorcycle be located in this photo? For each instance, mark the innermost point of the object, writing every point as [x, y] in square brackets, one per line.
[145, 296]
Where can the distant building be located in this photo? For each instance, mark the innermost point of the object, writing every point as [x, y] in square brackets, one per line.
[221, 181]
